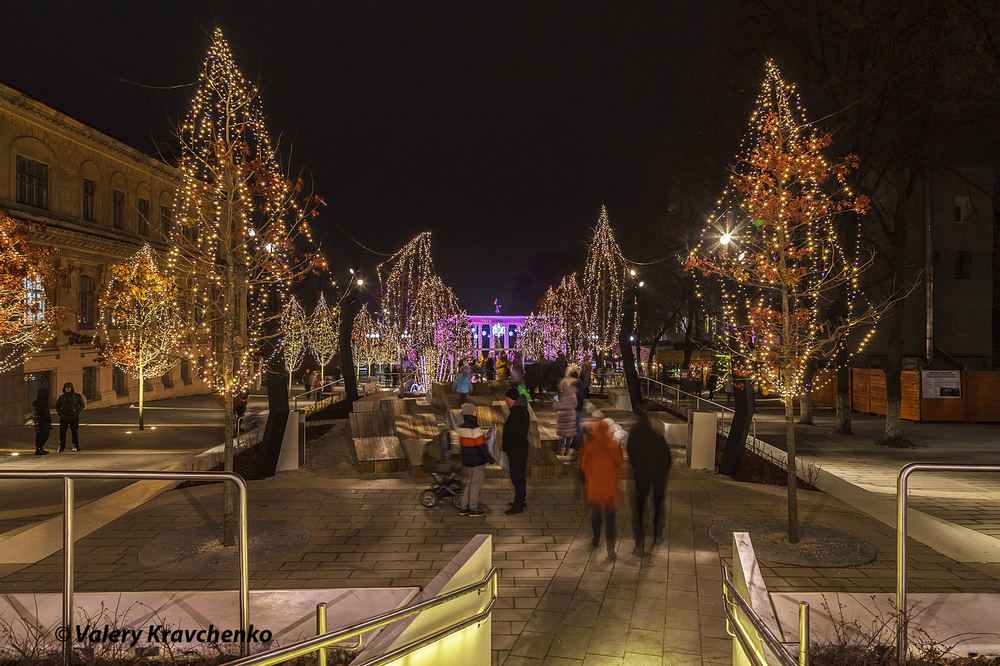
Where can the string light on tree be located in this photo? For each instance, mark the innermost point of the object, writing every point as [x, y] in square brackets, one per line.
[237, 218]
[139, 320]
[604, 287]
[26, 317]
[323, 333]
[789, 290]
[294, 336]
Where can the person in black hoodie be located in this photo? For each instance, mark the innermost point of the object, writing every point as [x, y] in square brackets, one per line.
[43, 421]
[649, 458]
[68, 406]
[515, 445]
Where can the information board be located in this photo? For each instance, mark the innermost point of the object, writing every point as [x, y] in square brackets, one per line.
[941, 383]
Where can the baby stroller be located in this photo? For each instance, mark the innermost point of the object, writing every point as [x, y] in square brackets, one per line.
[447, 475]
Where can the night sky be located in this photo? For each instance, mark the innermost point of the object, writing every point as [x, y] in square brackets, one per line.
[499, 126]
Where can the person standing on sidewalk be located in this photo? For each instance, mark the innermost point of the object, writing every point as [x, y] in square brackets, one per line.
[600, 459]
[475, 455]
[649, 458]
[41, 411]
[68, 406]
[515, 445]
[566, 427]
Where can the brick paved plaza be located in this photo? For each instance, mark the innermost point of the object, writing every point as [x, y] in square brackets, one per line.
[560, 602]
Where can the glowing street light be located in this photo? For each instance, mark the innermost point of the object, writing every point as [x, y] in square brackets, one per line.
[726, 237]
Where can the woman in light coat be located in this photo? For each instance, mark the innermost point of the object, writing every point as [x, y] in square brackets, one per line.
[566, 413]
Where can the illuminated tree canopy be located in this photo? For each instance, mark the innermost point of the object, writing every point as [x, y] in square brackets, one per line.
[323, 333]
[139, 320]
[26, 320]
[604, 287]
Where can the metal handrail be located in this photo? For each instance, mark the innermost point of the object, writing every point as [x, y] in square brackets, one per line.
[309, 394]
[777, 647]
[698, 400]
[69, 476]
[310, 645]
[901, 487]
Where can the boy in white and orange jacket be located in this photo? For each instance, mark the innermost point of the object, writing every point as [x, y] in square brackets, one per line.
[475, 455]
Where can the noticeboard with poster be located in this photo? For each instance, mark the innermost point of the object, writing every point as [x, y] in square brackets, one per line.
[940, 383]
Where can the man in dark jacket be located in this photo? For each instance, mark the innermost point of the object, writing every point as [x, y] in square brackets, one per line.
[475, 455]
[515, 445]
[68, 406]
[649, 458]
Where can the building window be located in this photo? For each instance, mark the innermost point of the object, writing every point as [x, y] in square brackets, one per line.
[89, 194]
[119, 382]
[167, 380]
[963, 209]
[147, 385]
[963, 265]
[143, 217]
[185, 371]
[86, 297]
[89, 388]
[118, 209]
[34, 300]
[34, 381]
[32, 182]
[165, 221]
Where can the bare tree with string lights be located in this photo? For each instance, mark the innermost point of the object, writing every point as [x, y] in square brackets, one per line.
[324, 333]
[294, 339]
[789, 289]
[604, 291]
[237, 217]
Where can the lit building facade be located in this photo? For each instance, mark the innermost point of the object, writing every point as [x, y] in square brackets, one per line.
[96, 201]
[496, 333]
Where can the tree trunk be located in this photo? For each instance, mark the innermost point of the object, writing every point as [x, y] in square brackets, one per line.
[652, 350]
[628, 359]
[842, 425]
[805, 400]
[805, 408]
[348, 312]
[689, 334]
[793, 501]
[142, 385]
[228, 519]
[893, 368]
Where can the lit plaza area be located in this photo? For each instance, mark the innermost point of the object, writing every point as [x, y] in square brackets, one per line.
[500, 334]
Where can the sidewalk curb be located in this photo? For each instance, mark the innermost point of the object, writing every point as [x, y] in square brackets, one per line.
[959, 543]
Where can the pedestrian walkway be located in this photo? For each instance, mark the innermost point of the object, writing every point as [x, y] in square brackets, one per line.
[969, 500]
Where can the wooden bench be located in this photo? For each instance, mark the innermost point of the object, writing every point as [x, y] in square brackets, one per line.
[379, 455]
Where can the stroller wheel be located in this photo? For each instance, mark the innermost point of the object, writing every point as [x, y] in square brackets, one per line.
[428, 498]
[457, 500]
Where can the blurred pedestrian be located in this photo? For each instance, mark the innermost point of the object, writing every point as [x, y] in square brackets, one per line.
[649, 458]
[42, 415]
[503, 367]
[463, 383]
[600, 459]
[515, 445]
[566, 421]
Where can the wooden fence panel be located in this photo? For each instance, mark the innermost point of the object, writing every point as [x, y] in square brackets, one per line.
[983, 395]
[910, 404]
[860, 396]
[824, 389]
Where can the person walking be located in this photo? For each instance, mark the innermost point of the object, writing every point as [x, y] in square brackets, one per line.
[463, 383]
[41, 411]
[68, 406]
[475, 455]
[515, 445]
[566, 421]
[600, 459]
[649, 458]
[573, 374]
[491, 367]
[503, 367]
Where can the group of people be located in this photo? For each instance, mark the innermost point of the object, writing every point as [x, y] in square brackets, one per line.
[68, 406]
[600, 461]
[476, 454]
[594, 442]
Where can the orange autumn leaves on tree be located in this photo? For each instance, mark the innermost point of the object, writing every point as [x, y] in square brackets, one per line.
[138, 319]
[774, 248]
[26, 320]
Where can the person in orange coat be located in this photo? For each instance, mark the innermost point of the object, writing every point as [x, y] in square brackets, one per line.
[600, 460]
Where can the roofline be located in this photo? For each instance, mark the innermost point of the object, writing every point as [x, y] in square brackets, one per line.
[45, 114]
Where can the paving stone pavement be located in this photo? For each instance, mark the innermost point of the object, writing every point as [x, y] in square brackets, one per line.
[560, 602]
